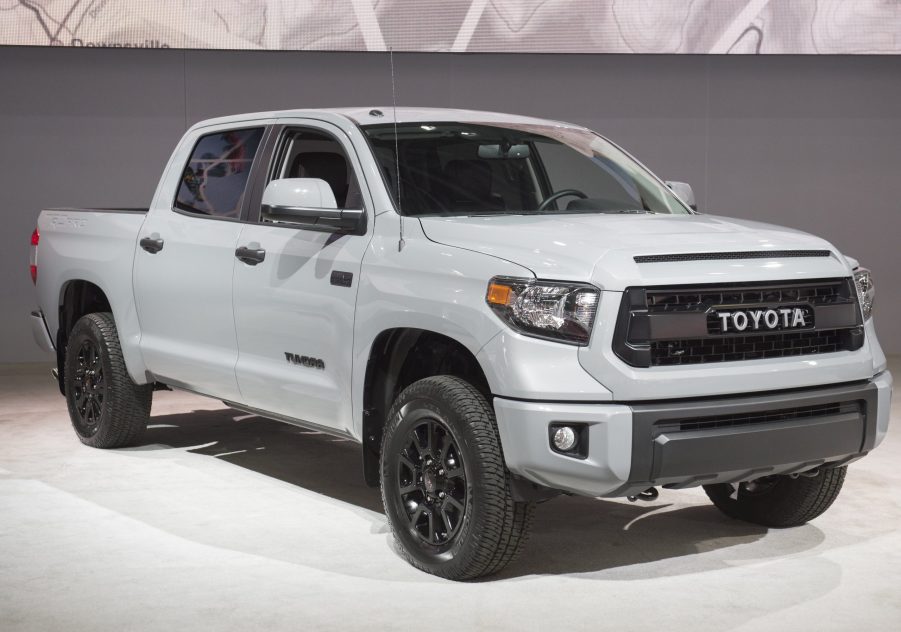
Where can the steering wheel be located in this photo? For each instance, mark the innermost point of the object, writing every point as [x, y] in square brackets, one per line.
[553, 197]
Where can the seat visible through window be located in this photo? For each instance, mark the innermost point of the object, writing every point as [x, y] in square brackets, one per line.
[469, 184]
[326, 166]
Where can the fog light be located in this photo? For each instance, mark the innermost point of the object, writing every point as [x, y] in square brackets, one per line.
[564, 438]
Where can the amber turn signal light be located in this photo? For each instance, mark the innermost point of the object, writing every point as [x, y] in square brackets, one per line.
[499, 294]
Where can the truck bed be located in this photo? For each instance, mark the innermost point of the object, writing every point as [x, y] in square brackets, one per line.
[99, 209]
[94, 246]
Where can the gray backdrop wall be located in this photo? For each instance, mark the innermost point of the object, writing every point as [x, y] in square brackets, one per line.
[807, 142]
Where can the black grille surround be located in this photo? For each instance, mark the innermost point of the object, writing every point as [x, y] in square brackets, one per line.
[673, 326]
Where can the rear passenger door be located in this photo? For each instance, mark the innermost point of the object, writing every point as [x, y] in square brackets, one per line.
[185, 262]
[294, 309]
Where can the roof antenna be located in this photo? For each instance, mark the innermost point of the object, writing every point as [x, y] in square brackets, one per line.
[400, 210]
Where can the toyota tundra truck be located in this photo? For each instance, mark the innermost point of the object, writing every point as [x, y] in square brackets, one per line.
[498, 309]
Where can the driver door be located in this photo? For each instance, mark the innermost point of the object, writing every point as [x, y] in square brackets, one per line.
[294, 309]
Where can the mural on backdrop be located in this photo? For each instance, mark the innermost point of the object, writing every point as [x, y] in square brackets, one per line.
[537, 26]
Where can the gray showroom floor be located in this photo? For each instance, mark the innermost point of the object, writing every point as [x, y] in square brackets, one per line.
[226, 521]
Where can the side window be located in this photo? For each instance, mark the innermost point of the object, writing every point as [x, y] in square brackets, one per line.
[308, 153]
[215, 178]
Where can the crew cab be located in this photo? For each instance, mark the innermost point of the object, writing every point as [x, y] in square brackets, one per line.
[497, 308]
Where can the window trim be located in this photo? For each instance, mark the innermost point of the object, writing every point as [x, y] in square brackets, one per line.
[273, 155]
[251, 176]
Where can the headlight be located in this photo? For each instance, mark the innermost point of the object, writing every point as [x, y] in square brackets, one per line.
[866, 290]
[546, 309]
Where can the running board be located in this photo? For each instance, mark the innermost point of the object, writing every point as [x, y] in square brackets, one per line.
[306, 425]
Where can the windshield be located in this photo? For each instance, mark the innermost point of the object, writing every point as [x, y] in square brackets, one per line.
[487, 169]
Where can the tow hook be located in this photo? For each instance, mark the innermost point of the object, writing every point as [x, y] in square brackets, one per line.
[647, 495]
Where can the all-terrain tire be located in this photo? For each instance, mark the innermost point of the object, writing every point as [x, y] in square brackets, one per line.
[781, 501]
[493, 527]
[107, 409]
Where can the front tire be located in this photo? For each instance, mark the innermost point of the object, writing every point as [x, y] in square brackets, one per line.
[779, 501]
[445, 487]
[106, 408]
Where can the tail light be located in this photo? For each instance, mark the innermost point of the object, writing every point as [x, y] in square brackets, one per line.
[33, 255]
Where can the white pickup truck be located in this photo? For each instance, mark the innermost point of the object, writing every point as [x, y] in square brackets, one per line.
[497, 308]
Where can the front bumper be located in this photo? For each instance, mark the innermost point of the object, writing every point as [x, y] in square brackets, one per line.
[689, 442]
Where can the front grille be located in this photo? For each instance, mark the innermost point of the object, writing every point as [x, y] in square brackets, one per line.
[671, 326]
[684, 300]
[762, 417]
[755, 347]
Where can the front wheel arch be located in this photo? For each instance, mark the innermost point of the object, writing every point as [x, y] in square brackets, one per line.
[397, 358]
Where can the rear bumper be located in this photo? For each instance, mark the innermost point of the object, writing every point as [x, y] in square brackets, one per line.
[689, 442]
[39, 331]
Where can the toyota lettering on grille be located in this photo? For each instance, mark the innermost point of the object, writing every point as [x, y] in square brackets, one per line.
[761, 319]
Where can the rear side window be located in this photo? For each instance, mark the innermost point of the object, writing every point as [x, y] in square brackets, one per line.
[215, 178]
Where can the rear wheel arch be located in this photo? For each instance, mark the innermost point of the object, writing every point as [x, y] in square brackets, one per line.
[77, 298]
[397, 358]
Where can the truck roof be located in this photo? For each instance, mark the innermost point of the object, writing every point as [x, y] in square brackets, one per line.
[365, 116]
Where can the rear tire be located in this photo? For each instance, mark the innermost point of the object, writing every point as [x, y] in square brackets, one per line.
[445, 487]
[106, 408]
[779, 501]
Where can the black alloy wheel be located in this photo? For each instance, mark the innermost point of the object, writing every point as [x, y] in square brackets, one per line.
[445, 487]
[107, 409]
[431, 483]
[89, 389]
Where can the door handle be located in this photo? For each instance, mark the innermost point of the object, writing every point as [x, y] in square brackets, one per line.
[152, 244]
[250, 256]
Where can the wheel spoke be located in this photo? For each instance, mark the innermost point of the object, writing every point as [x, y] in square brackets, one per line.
[416, 515]
[430, 438]
[407, 463]
[421, 447]
[433, 529]
[453, 502]
[441, 450]
[449, 527]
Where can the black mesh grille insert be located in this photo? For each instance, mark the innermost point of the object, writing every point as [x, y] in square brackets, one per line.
[686, 300]
[712, 256]
[763, 417]
[733, 348]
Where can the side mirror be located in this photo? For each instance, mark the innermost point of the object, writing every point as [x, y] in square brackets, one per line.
[683, 192]
[309, 202]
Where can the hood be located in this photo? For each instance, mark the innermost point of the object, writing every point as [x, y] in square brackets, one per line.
[601, 248]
